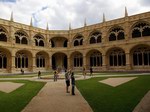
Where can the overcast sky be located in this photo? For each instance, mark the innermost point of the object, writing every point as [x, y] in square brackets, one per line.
[59, 13]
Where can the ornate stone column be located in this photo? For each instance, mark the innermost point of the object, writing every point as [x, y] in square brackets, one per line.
[104, 66]
[84, 61]
[13, 63]
[128, 61]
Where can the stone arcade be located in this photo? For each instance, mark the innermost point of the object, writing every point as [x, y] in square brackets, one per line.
[118, 45]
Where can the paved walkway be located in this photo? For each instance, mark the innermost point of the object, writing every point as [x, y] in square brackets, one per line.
[53, 98]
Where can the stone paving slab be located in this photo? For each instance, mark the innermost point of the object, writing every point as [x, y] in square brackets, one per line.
[116, 81]
[53, 98]
[144, 105]
[8, 87]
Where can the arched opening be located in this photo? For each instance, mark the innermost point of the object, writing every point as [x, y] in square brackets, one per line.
[92, 40]
[120, 36]
[78, 41]
[59, 41]
[52, 43]
[141, 29]
[81, 42]
[3, 60]
[76, 60]
[41, 43]
[65, 43]
[39, 40]
[95, 37]
[112, 37]
[17, 40]
[21, 37]
[21, 60]
[117, 57]
[99, 39]
[24, 41]
[59, 61]
[41, 59]
[94, 58]
[136, 33]
[116, 33]
[141, 56]
[3, 35]
[146, 31]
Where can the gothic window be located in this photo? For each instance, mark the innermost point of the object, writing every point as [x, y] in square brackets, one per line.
[65, 43]
[52, 43]
[117, 58]
[21, 38]
[3, 35]
[141, 56]
[95, 38]
[116, 34]
[21, 60]
[78, 41]
[3, 60]
[40, 60]
[92, 40]
[141, 30]
[39, 41]
[78, 60]
[96, 59]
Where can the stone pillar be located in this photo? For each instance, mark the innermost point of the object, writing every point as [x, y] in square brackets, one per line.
[34, 64]
[13, 64]
[128, 62]
[104, 66]
[50, 62]
[69, 64]
[84, 61]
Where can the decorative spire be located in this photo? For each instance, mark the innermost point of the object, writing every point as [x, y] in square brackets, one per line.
[104, 17]
[11, 17]
[126, 12]
[70, 26]
[47, 26]
[31, 22]
[85, 22]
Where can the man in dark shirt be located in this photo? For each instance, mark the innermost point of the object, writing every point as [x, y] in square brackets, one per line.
[73, 83]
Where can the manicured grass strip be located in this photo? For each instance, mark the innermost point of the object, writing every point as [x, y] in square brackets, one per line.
[123, 98]
[18, 99]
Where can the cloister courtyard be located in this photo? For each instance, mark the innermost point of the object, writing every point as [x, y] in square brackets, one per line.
[102, 92]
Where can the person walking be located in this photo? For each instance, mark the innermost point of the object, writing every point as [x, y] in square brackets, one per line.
[39, 74]
[55, 75]
[67, 79]
[73, 83]
[84, 72]
[91, 71]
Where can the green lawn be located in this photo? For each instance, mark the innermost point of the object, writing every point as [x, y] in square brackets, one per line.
[18, 99]
[123, 98]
